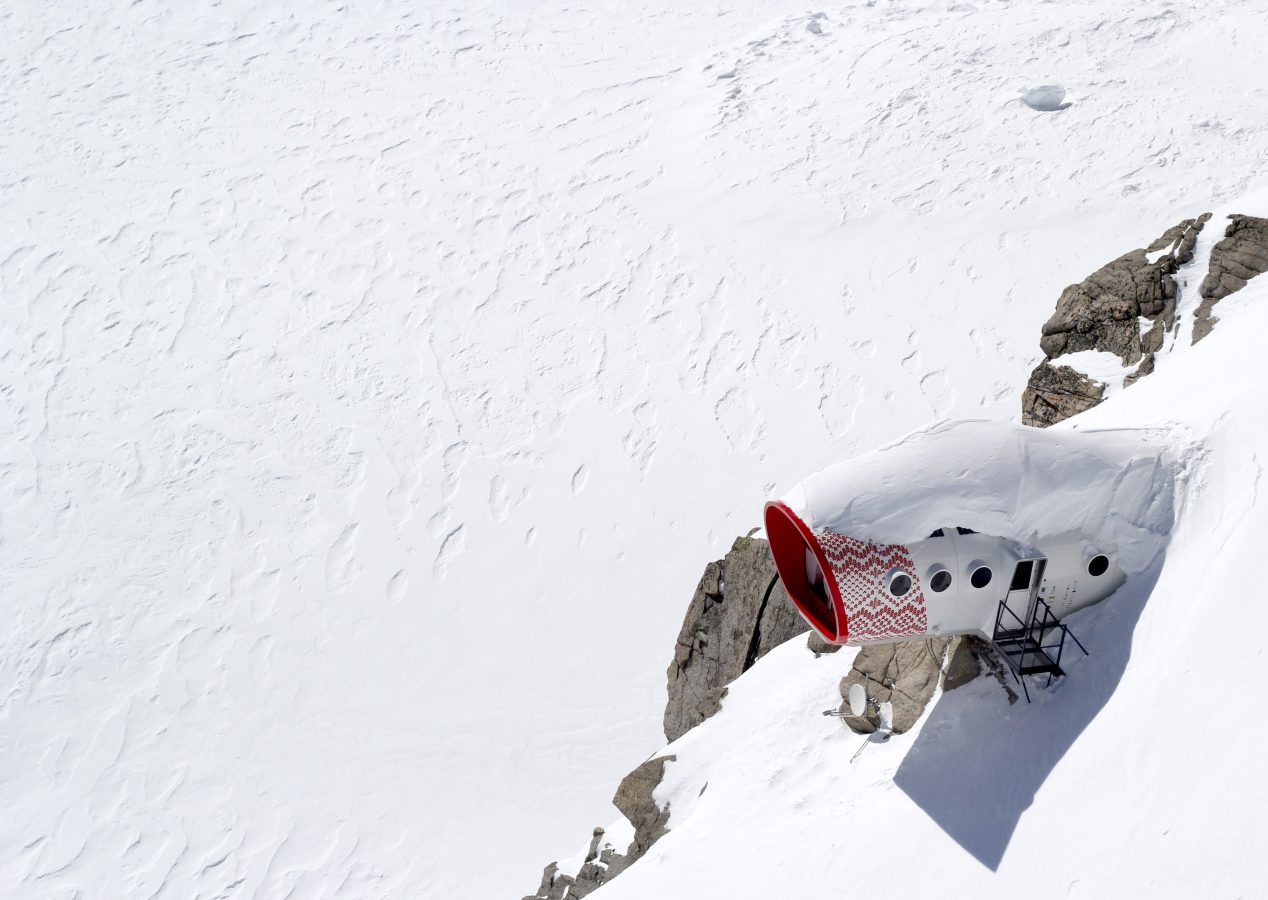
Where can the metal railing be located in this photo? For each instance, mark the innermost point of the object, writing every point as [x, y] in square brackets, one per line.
[1039, 643]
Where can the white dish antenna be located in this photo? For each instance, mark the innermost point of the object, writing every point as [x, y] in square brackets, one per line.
[858, 699]
[886, 714]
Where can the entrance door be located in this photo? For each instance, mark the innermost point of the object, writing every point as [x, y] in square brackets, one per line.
[1024, 588]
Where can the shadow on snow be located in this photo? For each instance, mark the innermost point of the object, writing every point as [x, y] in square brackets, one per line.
[977, 763]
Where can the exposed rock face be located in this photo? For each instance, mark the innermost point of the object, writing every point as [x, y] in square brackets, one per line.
[553, 884]
[600, 866]
[1055, 393]
[634, 800]
[818, 646]
[1239, 257]
[906, 675]
[1103, 312]
[962, 664]
[739, 611]
[603, 862]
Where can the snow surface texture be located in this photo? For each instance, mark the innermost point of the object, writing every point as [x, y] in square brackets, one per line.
[377, 379]
[1135, 776]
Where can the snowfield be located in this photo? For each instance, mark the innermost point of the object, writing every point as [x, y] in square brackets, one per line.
[376, 380]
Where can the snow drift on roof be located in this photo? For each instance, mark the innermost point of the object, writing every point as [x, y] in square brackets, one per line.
[1114, 486]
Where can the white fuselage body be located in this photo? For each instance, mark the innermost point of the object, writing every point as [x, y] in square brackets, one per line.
[866, 552]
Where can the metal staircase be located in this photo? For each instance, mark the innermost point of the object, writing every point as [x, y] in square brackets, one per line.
[1033, 646]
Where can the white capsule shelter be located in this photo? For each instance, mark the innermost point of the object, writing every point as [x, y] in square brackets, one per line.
[978, 528]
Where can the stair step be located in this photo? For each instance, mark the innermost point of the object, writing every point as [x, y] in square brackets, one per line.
[1022, 639]
[1020, 629]
[1034, 648]
[1027, 658]
[1050, 669]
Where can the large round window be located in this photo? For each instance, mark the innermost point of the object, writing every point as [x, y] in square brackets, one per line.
[981, 577]
[940, 581]
[1098, 566]
[899, 583]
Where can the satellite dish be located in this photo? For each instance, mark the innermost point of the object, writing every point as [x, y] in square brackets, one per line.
[886, 710]
[858, 699]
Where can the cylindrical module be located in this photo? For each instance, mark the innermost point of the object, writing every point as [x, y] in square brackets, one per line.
[970, 528]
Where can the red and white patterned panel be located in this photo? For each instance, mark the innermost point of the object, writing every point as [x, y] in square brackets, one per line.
[872, 612]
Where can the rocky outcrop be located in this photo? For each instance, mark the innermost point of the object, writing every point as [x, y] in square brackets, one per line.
[818, 646]
[963, 662]
[1128, 308]
[634, 800]
[739, 611]
[1239, 257]
[905, 675]
[1101, 312]
[1104, 312]
[1055, 393]
[603, 862]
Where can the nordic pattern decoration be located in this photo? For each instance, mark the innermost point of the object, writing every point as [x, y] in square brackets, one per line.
[872, 613]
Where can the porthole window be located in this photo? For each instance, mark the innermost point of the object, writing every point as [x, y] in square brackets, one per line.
[940, 581]
[899, 584]
[1098, 566]
[981, 577]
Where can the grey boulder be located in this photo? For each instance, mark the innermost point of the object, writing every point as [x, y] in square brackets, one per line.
[739, 611]
[906, 675]
[1239, 257]
[1104, 312]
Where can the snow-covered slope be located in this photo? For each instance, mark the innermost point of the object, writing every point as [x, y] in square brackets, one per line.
[376, 379]
[1135, 776]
